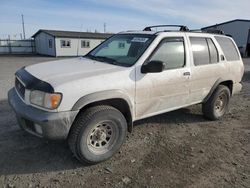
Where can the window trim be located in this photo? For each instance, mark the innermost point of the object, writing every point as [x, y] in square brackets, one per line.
[218, 58]
[50, 43]
[86, 42]
[209, 53]
[65, 43]
[170, 39]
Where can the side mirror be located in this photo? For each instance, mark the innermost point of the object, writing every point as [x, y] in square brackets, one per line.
[153, 66]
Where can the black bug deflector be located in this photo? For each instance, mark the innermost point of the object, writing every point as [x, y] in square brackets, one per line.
[33, 83]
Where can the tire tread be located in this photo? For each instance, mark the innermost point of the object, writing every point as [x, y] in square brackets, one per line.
[81, 120]
[208, 108]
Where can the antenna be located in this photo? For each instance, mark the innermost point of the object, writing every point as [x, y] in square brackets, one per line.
[77, 51]
[23, 27]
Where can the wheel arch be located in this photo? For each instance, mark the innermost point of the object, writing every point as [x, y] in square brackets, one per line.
[228, 83]
[115, 98]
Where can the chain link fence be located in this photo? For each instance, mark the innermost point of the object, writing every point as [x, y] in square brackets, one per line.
[17, 46]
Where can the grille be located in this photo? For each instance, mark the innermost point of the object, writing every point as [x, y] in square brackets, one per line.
[20, 88]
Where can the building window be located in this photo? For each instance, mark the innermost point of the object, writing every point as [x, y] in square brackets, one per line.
[121, 45]
[50, 43]
[85, 44]
[65, 43]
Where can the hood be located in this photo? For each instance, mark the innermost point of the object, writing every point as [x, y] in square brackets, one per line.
[70, 69]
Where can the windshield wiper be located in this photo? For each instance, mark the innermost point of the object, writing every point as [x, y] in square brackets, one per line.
[108, 59]
[104, 59]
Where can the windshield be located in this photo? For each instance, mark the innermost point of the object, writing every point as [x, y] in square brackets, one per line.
[121, 49]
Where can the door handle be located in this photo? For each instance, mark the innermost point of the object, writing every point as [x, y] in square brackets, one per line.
[186, 74]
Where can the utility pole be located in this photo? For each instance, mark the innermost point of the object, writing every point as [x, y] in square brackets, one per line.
[23, 27]
[104, 27]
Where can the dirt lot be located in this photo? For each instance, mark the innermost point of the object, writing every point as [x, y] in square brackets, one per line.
[177, 149]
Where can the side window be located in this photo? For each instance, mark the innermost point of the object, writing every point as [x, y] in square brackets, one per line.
[213, 52]
[171, 52]
[228, 48]
[50, 43]
[65, 43]
[85, 44]
[200, 50]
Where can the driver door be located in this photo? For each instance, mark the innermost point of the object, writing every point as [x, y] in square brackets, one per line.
[168, 90]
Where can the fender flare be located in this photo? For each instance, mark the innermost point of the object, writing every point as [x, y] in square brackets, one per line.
[216, 84]
[105, 95]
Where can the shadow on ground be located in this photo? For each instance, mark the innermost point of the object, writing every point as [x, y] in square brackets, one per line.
[246, 77]
[23, 153]
[184, 115]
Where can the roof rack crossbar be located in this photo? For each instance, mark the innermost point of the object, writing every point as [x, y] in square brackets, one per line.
[215, 31]
[212, 31]
[182, 27]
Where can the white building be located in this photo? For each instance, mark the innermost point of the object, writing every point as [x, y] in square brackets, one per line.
[66, 43]
[240, 31]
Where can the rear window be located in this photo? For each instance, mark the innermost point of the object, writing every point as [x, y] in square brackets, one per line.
[228, 48]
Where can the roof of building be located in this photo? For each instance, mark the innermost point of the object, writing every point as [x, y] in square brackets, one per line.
[236, 20]
[73, 34]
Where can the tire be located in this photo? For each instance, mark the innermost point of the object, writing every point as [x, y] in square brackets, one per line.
[217, 104]
[97, 134]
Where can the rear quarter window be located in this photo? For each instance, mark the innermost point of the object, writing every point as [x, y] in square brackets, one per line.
[228, 48]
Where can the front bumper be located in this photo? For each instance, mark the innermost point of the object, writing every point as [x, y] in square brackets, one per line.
[50, 125]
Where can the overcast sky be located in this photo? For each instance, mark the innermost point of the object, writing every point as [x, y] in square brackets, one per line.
[119, 15]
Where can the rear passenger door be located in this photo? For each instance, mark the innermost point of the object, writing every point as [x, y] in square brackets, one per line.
[206, 67]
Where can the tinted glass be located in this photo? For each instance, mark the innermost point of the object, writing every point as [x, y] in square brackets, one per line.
[121, 49]
[200, 51]
[228, 48]
[214, 57]
[115, 48]
[171, 53]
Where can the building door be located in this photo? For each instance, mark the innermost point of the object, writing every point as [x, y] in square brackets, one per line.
[248, 45]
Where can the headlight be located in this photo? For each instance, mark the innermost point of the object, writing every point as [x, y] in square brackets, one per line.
[45, 100]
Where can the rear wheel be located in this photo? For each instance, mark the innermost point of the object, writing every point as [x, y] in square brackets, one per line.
[216, 106]
[97, 134]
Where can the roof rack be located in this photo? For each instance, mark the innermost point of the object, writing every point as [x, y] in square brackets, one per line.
[215, 31]
[181, 27]
[185, 29]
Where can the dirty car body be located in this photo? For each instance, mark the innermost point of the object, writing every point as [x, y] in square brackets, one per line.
[140, 74]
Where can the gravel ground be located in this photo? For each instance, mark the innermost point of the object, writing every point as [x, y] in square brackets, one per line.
[176, 149]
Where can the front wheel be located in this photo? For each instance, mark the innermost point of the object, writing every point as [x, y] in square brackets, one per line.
[217, 104]
[97, 134]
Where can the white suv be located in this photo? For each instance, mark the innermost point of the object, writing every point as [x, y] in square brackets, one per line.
[93, 100]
